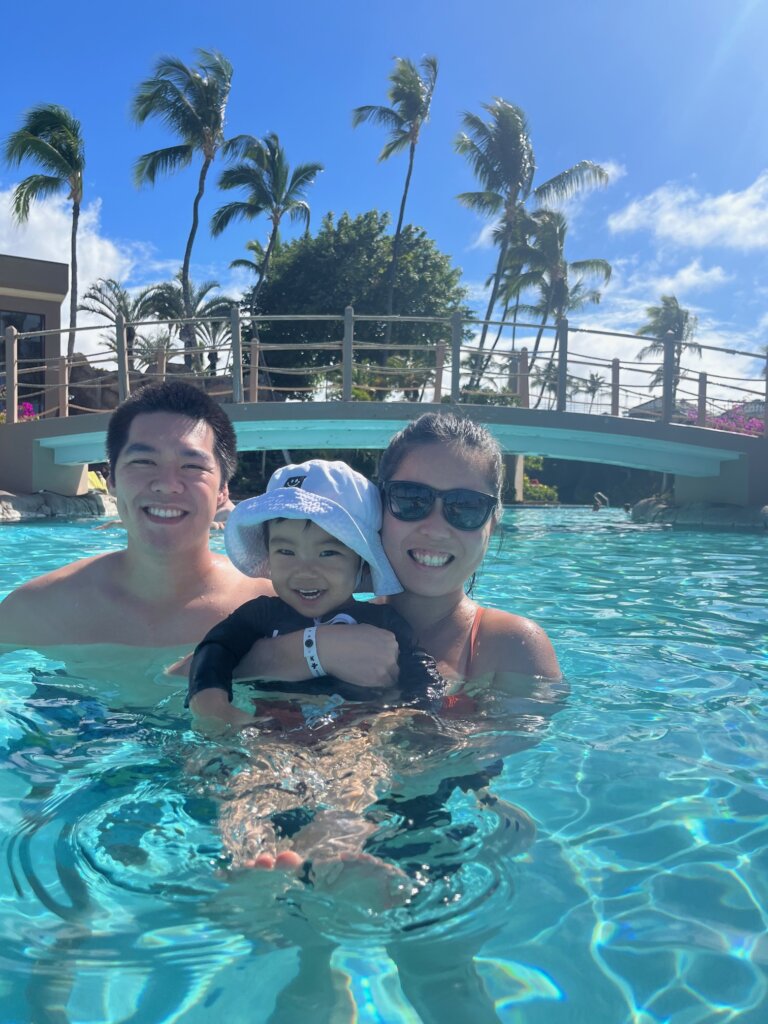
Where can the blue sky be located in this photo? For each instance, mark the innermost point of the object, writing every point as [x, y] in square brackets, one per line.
[671, 95]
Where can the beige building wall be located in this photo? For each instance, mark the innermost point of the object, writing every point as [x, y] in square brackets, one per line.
[37, 286]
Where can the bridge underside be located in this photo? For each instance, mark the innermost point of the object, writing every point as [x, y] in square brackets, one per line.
[689, 452]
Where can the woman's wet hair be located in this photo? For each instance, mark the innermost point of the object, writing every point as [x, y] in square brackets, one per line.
[181, 398]
[446, 428]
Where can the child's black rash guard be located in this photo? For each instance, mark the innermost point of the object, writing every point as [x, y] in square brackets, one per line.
[225, 645]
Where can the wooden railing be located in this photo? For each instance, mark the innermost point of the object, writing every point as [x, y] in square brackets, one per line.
[437, 370]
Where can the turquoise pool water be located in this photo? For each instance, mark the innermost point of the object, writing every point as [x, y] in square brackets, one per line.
[643, 899]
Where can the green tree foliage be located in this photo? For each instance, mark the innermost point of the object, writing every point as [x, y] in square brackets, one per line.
[669, 320]
[410, 96]
[192, 102]
[50, 137]
[347, 263]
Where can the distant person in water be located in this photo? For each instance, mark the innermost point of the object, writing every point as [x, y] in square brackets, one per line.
[172, 452]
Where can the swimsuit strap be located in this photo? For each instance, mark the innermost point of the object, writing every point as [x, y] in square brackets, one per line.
[479, 612]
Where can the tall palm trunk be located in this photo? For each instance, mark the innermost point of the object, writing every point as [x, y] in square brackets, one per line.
[73, 282]
[255, 302]
[477, 369]
[187, 332]
[396, 255]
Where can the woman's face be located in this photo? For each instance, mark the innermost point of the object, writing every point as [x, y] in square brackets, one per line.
[431, 557]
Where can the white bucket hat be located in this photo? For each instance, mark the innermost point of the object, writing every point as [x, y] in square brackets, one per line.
[332, 495]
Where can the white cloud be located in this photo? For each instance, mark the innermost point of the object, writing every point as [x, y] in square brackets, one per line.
[614, 169]
[736, 220]
[484, 239]
[46, 236]
[692, 277]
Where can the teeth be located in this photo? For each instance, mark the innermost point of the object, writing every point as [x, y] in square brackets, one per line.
[165, 513]
[309, 594]
[431, 559]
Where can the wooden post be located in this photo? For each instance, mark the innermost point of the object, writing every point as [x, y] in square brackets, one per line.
[347, 354]
[457, 329]
[253, 376]
[523, 380]
[123, 380]
[161, 360]
[615, 376]
[439, 363]
[701, 418]
[668, 379]
[11, 375]
[562, 364]
[237, 354]
[63, 386]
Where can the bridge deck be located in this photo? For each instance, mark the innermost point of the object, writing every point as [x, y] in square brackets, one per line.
[640, 444]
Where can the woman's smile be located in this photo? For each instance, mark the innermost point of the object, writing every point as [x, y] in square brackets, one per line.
[432, 559]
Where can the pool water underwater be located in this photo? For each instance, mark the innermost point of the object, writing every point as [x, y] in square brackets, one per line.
[643, 899]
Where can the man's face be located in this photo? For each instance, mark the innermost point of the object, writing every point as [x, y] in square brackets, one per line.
[167, 481]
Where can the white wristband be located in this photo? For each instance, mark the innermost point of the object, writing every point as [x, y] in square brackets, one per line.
[310, 652]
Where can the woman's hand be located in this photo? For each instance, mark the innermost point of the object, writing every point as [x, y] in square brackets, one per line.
[361, 654]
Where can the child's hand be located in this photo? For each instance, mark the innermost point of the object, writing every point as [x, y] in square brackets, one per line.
[213, 707]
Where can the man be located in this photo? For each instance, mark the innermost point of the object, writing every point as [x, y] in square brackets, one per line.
[171, 452]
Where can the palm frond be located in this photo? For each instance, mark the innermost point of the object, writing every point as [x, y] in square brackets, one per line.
[161, 161]
[384, 117]
[224, 216]
[483, 202]
[36, 186]
[584, 174]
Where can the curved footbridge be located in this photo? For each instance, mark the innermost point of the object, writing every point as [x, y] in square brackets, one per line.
[708, 465]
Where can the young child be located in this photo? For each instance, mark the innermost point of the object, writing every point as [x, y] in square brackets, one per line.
[315, 532]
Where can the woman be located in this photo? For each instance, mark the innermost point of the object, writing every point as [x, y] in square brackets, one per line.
[441, 481]
[441, 478]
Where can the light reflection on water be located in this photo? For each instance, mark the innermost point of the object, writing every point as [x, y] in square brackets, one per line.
[642, 899]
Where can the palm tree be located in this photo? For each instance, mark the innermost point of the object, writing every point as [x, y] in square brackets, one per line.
[108, 298]
[410, 96]
[192, 102]
[51, 137]
[271, 188]
[211, 313]
[501, 155]
[669, 320]
[592, 387]
[549, 272]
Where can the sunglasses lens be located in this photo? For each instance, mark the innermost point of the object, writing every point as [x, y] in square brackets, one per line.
[467, 510]
[463, 509]
[409, 501]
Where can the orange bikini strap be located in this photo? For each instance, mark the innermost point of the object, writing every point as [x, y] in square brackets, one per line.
[474, 631]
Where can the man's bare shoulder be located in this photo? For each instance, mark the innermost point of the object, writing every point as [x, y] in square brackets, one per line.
[43, 605]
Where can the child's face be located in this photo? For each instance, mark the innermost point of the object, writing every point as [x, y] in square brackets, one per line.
[311, 571]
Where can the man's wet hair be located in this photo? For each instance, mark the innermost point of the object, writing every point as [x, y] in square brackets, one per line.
[183, 399]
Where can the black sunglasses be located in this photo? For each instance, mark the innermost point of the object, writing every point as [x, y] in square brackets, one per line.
[463, 509]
